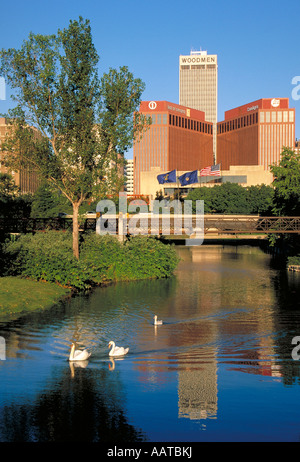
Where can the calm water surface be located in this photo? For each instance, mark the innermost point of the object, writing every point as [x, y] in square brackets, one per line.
[218, 369]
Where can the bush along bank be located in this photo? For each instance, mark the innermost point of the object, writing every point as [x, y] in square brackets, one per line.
[293, 263]
[48, 256]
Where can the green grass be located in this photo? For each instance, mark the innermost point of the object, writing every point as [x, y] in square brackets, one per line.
[23, 295]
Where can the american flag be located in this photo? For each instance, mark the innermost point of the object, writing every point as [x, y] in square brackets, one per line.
[212, 170]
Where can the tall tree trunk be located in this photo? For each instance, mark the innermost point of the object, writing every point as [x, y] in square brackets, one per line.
[75, 230]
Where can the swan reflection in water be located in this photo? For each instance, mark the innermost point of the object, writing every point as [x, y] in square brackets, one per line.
[77, 365]
[112, 362]
[111, 365]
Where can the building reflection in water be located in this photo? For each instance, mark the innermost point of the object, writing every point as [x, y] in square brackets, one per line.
[227, 308]
[226, 315]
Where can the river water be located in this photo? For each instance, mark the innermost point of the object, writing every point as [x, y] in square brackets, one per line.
[220, 368]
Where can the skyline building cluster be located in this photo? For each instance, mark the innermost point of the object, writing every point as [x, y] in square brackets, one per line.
[187, 136]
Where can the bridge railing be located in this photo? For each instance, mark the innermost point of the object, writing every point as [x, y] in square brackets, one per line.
[252, 224]
[30, 225]
[211, 224]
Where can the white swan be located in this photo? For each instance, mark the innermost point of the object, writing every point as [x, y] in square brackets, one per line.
[157, 322]
[78, 355]
[117, 351]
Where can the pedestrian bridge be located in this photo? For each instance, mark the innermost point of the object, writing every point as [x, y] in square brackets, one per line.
[215, 225]
[180, 225]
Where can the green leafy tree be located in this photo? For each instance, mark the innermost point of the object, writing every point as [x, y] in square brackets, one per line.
[204, 194]
[227, 198]
[68, 124]
[47, 203]
[287, 184]
[8, 188]
[12, 203]
[260, 199]
[231, 198]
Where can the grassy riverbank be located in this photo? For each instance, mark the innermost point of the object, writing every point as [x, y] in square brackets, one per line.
[48, 257]
[23, 295]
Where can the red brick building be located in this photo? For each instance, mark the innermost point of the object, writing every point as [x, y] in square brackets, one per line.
[178, 138]
[255, 133]
[26, 179]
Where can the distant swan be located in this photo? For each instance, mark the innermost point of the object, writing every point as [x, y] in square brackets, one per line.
[117, 351]
[157, 322]
[78, 355]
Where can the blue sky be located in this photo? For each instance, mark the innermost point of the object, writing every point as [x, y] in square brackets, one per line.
[257, 42]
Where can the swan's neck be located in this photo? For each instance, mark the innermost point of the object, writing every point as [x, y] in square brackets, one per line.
[113, 345]
[72, 351]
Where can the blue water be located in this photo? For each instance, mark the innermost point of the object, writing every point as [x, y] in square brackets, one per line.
[218, 369]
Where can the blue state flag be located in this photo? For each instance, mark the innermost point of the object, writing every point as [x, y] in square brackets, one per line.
[189, 178]
[169, 177]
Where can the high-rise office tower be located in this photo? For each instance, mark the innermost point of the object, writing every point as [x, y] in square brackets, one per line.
[129, 173]
[198, 86]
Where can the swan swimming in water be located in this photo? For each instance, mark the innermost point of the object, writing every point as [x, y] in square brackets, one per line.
[157, 322]
[78, 355]
[117, 351]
